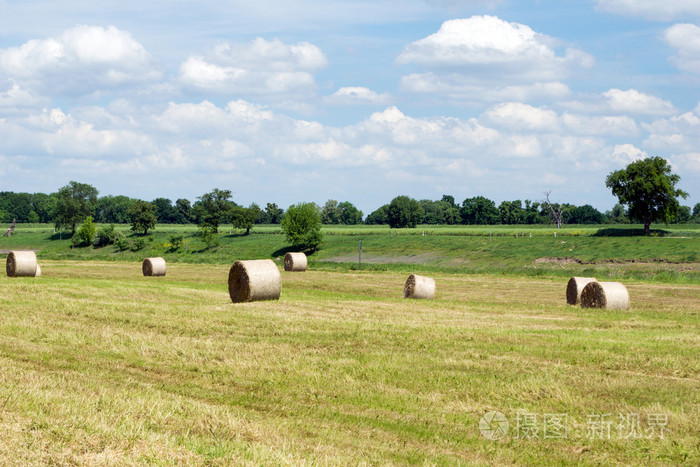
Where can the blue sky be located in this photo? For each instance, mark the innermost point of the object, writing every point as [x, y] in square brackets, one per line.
[347, 100]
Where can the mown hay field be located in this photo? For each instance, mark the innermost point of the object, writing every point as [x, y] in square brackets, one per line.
[101, 365]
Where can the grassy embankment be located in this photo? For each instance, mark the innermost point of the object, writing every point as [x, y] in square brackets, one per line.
[670, 255]
[99, 365]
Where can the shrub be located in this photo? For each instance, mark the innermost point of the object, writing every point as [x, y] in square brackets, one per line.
[139, 244]
[105, 236]
[121, 242]
[176, 242]
[85, 234]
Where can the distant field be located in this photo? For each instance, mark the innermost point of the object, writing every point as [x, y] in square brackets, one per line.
[100, 365]
[615, 252]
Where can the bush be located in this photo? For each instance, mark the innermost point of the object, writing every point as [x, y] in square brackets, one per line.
[209, 236]
[139, 244]
[121, 242]
[105, 236]
[176, 242]
[85, 234]
[302, 226]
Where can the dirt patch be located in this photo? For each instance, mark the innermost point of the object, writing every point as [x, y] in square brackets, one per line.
[558, 260]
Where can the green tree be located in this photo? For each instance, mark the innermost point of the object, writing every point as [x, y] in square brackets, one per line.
[44, 206]
[273, 214]
[683, 215]
[86, 233]
[404, 212]
[166, 213]
[142, 215]
[74, 203]
[648, 188]
[617, 215]
[586, 214]
[330, 214]
[378, 216]
[244, 218]
[511, 212]
[184, 211]
[349, 214]
[212, 208]
[479, 211]
[302, 226]
[113, 209]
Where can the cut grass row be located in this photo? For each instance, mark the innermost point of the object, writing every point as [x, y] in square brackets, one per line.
[101, 365]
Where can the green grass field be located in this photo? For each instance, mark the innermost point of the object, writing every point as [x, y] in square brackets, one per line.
[103, 366]
[100, 365]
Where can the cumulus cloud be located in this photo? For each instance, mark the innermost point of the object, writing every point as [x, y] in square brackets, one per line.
[357, 96]
[485, 58]
[259, 67]
[81, 61]
[635, 102]
[623, 154]
[680, 133]
[685, 38]
[492, 44]
[651, 9]
[520, 116]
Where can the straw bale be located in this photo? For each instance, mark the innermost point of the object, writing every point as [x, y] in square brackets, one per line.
[295, 262]
[21, 264]
[153, 266]
[254, 280]
[608, 295]
[419, 287]
[575, 287]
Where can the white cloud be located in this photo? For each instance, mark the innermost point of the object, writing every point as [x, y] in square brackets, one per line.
[635, 102]
[81, 61]
[459, 87]
[651, 9]
[623, 154]
[680, 133]
[259, 67]
[685, 38]
[520, 116]
[357, 95]
[16, 100]
[493, 46]
[601, 125]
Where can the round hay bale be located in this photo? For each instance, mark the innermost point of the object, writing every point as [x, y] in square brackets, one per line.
[21, 264]
[38, 270]
[608, 295]
[419, 287]
[295, 262]
[575, 287]
[254, 280]
[153, 266]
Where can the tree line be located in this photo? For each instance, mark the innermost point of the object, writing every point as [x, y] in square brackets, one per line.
[216, 207]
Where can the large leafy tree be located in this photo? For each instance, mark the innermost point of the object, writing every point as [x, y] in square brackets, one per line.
[349, 214]
[479, 210]
[301, 225]
[648, 188]
[142, 215]
[212, 209]
[244, 218]
[74, 203]
[404, 212]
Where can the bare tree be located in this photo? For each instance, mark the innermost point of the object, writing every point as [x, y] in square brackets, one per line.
[554, 209]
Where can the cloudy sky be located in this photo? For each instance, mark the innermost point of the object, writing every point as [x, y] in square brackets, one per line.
[357, 100]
